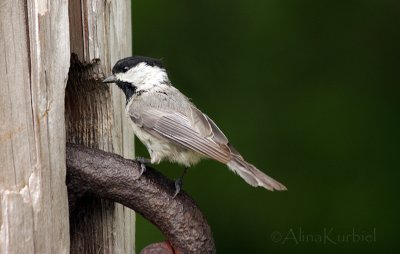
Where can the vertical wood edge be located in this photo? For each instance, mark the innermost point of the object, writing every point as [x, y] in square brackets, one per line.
[98, 20]
[33, 208]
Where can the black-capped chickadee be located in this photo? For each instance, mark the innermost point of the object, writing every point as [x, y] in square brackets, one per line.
[173, 128]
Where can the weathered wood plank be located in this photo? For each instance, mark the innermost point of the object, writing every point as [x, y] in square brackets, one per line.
[17, 203]
[34, 61]
[95, 117]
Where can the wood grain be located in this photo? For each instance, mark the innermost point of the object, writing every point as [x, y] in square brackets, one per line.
[100, 35]
[37, 38]
[34, 61]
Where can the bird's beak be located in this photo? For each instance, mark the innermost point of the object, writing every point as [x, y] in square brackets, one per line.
[110, 79]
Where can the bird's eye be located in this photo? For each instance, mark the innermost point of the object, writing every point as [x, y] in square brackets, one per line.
[125, 69]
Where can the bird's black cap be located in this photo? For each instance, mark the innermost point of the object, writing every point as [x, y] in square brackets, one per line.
[126, 63]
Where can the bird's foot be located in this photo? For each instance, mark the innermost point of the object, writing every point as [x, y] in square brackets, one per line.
[178, 186]
[179, 182]
[143, 162]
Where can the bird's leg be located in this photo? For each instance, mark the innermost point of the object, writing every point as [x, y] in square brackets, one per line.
[179, 182]
[142, 161]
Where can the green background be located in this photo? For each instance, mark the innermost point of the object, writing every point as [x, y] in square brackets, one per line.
[308, 91]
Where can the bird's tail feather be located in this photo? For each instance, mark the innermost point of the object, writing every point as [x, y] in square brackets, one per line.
[253, 176]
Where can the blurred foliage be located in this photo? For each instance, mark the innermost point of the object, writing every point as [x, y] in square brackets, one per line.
[308, 91]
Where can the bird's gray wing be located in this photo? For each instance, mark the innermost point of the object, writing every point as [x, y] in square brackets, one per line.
[207, 128]
[194, 131]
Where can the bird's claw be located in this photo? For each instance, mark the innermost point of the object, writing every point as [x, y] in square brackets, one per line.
[179, 182]
[142, 168]
[142, 161]
[178, 186]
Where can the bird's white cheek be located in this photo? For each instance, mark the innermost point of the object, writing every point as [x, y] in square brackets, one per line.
[143, 76]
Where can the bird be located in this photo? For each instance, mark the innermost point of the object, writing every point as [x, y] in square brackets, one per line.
[171, 127]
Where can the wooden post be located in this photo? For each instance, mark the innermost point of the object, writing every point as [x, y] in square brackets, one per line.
[95, 116]
[34, 62]
[38, 109]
